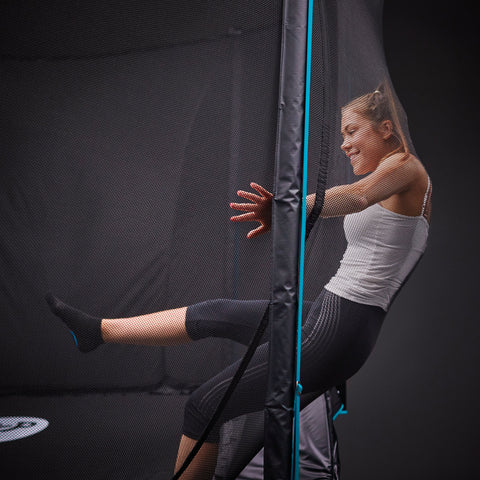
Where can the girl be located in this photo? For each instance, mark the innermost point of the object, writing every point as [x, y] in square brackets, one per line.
[386, 226]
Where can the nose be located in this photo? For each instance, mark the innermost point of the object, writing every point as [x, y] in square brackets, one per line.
[345, 146]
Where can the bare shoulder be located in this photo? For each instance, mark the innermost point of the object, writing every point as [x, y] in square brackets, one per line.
[407, 166]
[410, 173]
[421, 178]
[400, 160]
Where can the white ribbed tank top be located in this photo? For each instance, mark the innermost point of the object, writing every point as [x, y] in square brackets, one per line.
[382, 249]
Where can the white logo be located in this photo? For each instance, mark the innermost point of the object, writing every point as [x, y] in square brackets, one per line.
[13, 428]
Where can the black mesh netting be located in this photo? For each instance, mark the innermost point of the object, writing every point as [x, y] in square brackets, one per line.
[127, 129]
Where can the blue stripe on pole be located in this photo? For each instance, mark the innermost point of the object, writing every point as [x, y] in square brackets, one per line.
[298, 389]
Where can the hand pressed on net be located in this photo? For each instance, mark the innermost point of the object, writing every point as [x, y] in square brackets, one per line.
[260, 210]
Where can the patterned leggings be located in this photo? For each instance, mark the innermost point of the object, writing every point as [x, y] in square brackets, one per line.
[337, 337]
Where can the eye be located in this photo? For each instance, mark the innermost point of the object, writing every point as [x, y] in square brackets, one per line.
[349, 130]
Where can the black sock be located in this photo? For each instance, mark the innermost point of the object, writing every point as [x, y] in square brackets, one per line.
[86, 330]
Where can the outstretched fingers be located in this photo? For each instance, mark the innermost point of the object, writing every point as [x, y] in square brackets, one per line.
[256, 232]
[259, 210]
[250, 196]
[262, 191]
[244, 207]
[245, 217]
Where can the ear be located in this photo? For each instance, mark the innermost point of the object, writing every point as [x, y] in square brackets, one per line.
[386, 129]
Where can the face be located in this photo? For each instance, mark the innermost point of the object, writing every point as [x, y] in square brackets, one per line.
[364, 144]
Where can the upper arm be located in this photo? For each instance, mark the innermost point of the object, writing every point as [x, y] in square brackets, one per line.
[394, 175]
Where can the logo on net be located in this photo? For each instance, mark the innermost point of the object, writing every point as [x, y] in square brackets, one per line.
[14, 428]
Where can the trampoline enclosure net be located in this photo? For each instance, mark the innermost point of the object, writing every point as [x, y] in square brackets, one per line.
[128, 128]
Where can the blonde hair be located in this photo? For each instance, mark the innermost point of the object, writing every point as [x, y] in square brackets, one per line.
[378, 106]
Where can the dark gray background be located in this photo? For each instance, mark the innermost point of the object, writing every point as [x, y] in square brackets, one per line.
[412, 408]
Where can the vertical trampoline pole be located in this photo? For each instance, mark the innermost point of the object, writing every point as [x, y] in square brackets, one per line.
[286, 225]
[298, 385]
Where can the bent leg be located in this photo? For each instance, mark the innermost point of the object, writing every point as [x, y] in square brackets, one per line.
[248, 396]
[336, 340]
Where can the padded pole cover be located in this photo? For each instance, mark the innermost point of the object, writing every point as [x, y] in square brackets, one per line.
[286, 237]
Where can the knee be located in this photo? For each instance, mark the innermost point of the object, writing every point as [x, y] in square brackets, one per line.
[196, 419]
[198, 318]
[224, 318]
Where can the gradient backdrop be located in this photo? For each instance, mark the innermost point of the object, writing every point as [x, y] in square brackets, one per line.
[413, 407]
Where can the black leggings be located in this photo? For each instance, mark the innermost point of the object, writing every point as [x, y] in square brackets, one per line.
[337, 337]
